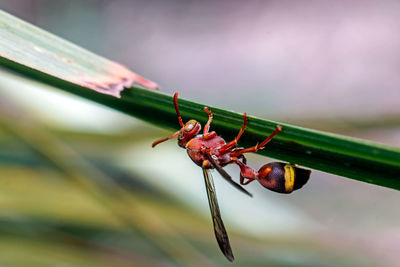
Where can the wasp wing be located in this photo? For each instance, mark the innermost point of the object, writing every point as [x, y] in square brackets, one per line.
[225, 175]
[219, 228]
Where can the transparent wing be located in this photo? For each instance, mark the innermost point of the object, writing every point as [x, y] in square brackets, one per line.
[225, 175]
[219, 228]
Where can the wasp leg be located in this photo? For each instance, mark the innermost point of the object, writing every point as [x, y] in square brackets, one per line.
[206, 134]
[227, 147]
[210, 117]
[239, 152]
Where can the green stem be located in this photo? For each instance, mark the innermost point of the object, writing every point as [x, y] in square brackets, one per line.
[349, 157]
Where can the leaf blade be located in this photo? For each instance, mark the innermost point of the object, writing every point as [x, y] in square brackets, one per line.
[37, 49]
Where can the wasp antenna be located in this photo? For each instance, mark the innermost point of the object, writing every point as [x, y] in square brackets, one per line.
[177, 109]
[164, 139]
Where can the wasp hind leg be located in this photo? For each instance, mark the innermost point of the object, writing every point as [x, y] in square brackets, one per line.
[255, 148]
[232, 144]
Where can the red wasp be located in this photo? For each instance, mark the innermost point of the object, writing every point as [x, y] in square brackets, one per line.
[210, 151]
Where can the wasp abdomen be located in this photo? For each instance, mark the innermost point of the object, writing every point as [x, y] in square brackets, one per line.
[282, 177]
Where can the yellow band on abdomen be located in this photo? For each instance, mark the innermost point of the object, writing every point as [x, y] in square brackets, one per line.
[289, 178]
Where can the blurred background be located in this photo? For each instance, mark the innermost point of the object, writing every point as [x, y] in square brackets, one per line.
[81, 186]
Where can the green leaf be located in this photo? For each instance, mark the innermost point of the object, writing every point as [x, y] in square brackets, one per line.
[349, 157]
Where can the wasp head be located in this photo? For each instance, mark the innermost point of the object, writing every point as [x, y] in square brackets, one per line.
[188, 131]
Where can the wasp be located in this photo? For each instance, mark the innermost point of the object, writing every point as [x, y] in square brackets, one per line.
[210, 151]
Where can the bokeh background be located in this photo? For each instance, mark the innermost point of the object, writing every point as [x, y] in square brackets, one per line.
[81, 186]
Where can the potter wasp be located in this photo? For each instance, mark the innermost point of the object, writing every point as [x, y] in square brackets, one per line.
[210, 151]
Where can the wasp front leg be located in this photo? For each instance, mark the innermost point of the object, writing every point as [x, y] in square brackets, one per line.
[206, 134]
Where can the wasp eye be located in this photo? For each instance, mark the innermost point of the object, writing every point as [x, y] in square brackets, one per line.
[189, 125]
